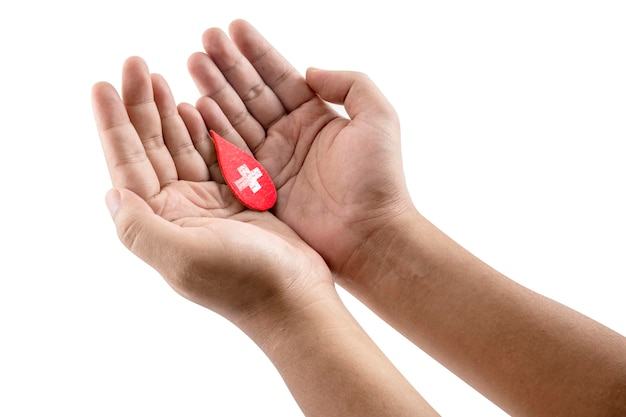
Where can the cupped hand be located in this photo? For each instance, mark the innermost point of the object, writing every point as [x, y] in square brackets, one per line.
[339, 180]
[172, 209]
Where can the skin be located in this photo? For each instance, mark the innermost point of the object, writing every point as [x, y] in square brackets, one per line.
[530, 355]
[246, 265]
[341, 217]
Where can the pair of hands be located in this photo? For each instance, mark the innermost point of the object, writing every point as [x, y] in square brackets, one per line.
[338, 180]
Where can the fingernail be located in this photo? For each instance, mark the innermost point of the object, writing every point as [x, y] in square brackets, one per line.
[112, 201]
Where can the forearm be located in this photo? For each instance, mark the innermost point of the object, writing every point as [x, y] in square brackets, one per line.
[529, 354]
[330, 364]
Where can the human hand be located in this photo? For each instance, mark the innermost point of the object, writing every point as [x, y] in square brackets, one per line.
[180, 218]
[339, 181]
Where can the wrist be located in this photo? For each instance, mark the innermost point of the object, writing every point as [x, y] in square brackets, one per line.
[329, 363]
[389, 248]
[289, 312]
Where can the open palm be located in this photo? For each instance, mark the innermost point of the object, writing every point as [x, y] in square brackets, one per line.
[207, 245]
[337, 178]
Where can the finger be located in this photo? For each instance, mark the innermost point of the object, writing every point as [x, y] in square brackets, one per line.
[277, 73]
[213, 116]
[129, 166]
[138, 98]
[212, 83]
[201, 141]
[360, 97]
[188, 162]
[259, 99]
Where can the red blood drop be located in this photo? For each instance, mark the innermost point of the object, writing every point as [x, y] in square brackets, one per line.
[245, 176]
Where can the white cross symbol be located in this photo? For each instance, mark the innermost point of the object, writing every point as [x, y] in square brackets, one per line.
[249, 178]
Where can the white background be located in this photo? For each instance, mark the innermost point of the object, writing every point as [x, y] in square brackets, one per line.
[513, 136]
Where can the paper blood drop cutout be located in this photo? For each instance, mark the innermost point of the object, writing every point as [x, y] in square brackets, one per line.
[245, 176]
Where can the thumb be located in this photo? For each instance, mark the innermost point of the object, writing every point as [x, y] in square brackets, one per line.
[147, 235]
[354, 90]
